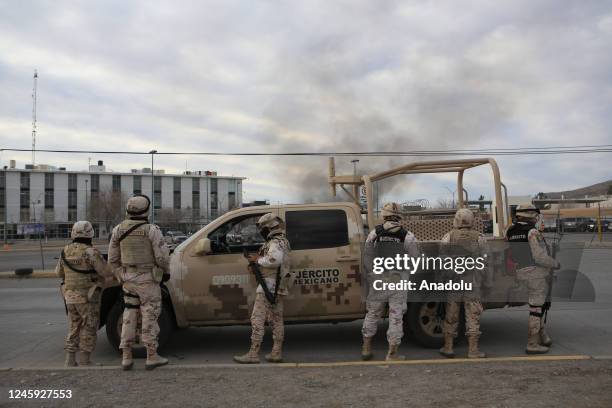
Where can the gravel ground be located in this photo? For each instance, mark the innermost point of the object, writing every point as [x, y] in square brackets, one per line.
[509, 384]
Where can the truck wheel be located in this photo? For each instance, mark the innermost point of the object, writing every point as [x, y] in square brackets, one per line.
[424, 321]
[114, 322]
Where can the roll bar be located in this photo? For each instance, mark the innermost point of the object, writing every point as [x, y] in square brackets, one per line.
[458, 166]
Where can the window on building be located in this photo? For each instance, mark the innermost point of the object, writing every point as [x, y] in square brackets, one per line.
[231, 200]
[25, 181]
[176, 188]
[95, 186]
[95, 183]
[137, 184]
[49, 190]
[116, 184]
[157, 193]
[317, 229]
[24, 193]
[2, 195]
[213, 197]
[72, 196]
[72, 182]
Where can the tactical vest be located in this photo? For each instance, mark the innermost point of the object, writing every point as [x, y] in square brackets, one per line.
[76, 259]
[464, 242]
[136, 247]
[520, 251]
[383, 235]
[267, 272]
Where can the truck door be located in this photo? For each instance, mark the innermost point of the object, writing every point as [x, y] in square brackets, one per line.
[218, 287]
[325, 248]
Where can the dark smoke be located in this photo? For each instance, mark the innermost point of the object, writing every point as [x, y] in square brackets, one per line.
[329, 91]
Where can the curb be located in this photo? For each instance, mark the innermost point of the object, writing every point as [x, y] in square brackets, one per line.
[381, 363]
[48, 273]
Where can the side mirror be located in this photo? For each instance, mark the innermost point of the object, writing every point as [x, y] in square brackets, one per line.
[203, 247]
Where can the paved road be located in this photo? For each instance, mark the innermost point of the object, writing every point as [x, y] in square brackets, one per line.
[33, 325]
[30, 257]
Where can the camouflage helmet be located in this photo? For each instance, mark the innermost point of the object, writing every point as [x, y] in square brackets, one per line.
[270, 222]
[527, 211]
[138, 206]
[464, 218]
[82, 229]
[391, 210]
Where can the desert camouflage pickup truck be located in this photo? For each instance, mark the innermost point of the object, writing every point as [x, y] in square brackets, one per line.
[210, 284]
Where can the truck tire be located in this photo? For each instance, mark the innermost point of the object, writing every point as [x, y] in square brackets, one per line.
[113, 328]
[424, 321]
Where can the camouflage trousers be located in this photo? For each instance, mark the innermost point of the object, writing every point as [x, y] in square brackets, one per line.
[83, 319]
[376, 307]
[473, 310]
[146, 299]
[264, 311]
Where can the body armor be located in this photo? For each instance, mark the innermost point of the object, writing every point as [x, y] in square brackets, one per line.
[136, 247]
[271, 272]
[464, 242]
[383, 235]
[79, 273]
[518, 234]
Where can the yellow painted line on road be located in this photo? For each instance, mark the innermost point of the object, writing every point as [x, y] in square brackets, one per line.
[380, 363]
[444, 361]
[36, 274]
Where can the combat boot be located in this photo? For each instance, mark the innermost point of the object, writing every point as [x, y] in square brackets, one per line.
[366, 349]
[251, 357]
[70, 360]
[154, 359]
[447, 349]
[84, 358]
[392, 354]
[545, 339]
[533, 336]
[276, 356]
[473, 351]
[127, 362]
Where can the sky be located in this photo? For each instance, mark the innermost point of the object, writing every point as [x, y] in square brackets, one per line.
[312, 76]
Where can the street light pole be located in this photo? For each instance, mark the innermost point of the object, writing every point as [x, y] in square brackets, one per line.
[152, 153]
[86, 203]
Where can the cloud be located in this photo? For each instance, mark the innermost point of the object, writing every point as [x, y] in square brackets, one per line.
[229, 76]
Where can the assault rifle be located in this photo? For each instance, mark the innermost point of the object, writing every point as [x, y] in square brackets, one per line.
[254, 269]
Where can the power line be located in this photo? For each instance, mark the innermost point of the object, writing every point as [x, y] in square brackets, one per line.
[551, 150]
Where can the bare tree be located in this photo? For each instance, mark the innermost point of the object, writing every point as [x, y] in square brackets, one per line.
[444, 203]
[170, 217]
[107, 208]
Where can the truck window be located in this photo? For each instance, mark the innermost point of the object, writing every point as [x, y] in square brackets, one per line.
[314, 229]
[236, 234]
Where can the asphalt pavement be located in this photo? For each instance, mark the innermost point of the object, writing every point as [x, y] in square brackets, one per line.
[33, 326]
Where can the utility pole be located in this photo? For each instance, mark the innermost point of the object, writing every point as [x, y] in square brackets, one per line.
[86, 201]
[34, 118]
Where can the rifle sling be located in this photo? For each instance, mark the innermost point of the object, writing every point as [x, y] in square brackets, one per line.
[261, 281]
[72, 268]
[130, 230]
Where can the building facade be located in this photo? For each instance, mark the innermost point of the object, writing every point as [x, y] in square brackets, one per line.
[50, 199]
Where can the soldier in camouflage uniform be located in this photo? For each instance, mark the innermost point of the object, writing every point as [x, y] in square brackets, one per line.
[535, 263]
[82, 269]
[273, 259]
[466, 241]
[139, 257]
[390, 231]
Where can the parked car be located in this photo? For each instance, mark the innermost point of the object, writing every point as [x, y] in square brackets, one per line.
[175, 237]
[606, 225]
